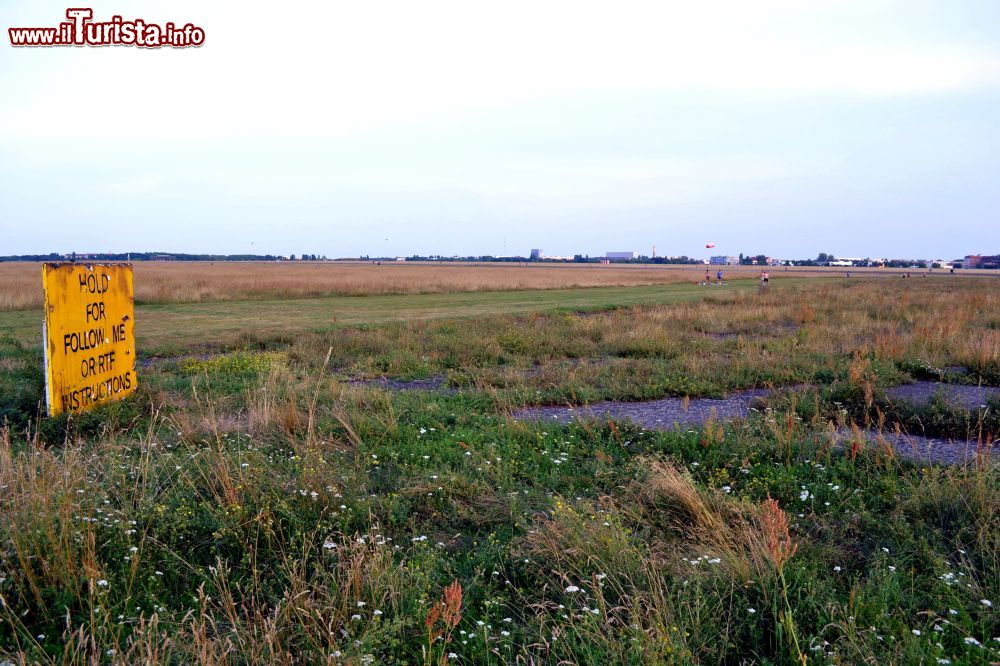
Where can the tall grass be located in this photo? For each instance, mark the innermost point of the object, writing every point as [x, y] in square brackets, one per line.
[253, 507]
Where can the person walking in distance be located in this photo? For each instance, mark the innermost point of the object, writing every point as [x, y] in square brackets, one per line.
[718, 277]
[708, 278]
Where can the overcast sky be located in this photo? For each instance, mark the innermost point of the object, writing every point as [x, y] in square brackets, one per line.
[855, 127]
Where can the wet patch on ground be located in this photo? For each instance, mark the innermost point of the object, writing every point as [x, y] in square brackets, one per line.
[964, 395]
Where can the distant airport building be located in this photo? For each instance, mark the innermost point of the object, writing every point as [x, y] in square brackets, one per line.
[981, 261]
[840, 262]
[619, 256]
[724, 261]
[536, 254]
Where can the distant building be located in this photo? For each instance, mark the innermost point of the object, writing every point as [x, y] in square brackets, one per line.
[400, 258]
[981, 261]
[724, 261]
[618, 256]
[840, 262]
[536, 254]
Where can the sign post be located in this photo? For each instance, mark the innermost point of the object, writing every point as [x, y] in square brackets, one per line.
[89, 335]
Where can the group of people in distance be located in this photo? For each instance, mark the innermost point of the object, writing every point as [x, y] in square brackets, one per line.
[765, 278]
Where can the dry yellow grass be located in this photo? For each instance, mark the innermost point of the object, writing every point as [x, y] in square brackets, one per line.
[162, 282]
[21, 285]
[189, 282]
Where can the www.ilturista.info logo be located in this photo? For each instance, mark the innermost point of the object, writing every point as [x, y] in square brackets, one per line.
[81, 30]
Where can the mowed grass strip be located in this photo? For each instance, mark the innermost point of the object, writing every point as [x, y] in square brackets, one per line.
[164, 328]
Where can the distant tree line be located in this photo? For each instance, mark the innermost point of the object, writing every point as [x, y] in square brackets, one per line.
[156, 256]
[577, 259]
[822, 259]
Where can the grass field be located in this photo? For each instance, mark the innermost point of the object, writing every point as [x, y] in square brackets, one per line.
[252, 505]
[168, 328]
[183, 282]
[193, 282]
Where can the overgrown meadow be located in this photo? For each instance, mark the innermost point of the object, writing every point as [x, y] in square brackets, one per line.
[265, 504]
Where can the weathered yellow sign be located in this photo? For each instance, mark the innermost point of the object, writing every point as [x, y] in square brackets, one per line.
[89, 335]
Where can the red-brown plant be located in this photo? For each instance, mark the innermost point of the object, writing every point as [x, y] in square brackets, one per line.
[774, 525]
[441, 620]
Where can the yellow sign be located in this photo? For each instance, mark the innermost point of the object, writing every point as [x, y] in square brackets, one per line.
[89, 335]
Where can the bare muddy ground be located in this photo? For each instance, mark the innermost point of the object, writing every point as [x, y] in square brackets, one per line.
[970, 397]
[662, 413]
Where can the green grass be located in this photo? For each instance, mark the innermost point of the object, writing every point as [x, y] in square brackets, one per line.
[525, 515]
[249, 507]
[21, 381]
[177, 328]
